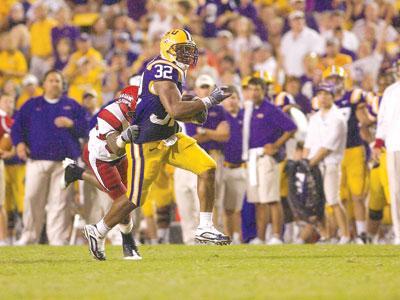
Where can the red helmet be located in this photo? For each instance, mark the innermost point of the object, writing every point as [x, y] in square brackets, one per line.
[127, 99]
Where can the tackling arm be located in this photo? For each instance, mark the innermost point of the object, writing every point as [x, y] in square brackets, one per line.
[113, 144]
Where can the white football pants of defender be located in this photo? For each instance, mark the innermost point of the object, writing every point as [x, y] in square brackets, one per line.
[393, 168]
[44, 196]
[185, 186]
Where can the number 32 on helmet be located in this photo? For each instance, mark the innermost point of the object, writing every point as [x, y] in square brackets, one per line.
[177, 46]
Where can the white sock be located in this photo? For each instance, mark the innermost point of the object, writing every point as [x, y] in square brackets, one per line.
[102, 228]
[126, 228]
[361, 227]
[236, 236]
[205, 219]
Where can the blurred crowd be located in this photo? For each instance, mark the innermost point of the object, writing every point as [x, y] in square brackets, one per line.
[96, 46]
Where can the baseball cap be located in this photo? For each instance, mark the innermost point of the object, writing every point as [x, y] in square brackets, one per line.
[332, 41]
[327, 87]
[30, 79]
[90, 92]
[204, 80]
[297, 14]
[84, 37]
[123, 36]
[225, 33]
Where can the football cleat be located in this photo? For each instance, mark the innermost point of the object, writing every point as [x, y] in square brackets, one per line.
[344, 240]
[210, 235]
[95, 241]
[362, 239]
[256, 241]
[129, 247]
[71, 171]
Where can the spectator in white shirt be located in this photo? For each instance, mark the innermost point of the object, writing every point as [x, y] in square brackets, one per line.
[324, 147]
[297, 42]
[388, 135]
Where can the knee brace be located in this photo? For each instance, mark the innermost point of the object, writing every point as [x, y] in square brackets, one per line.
[375, 215]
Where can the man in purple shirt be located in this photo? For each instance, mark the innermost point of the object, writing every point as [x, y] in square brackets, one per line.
[265, 131]
[233, 183]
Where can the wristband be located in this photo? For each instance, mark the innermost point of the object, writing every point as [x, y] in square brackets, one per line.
[201, 130]
[379, 143]
[207, 102]
[120, 142]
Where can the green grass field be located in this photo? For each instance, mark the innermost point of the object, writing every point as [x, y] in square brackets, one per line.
[203, 272]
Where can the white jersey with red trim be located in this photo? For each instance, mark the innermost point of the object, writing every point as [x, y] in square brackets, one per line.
[112, 118]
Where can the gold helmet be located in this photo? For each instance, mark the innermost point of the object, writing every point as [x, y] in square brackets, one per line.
[334, 71]
[178, 46]
[245, 81]
[266, 76]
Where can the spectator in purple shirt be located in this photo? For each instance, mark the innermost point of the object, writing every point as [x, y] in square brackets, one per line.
[64, 29]
[265, 131]
[62, 54]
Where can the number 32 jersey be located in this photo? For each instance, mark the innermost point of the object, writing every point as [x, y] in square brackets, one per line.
[154, 122]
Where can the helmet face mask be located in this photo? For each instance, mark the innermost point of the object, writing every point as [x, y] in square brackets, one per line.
[185, 53]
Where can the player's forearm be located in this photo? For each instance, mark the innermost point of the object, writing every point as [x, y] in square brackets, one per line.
[218, 135]
[201, 138]
[182, 110]
[284, 138]
[115, 144]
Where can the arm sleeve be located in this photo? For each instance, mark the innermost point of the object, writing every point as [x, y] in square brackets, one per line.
[283, 121]
[81, 122]
[18, 134]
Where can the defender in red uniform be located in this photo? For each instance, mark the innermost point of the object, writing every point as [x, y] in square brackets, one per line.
[105, 156]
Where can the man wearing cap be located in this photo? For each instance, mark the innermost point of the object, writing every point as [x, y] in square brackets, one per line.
[324, 147]
[212, 133]
[266, 129]
[387, 135]
[297, 42]
[308, 15]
